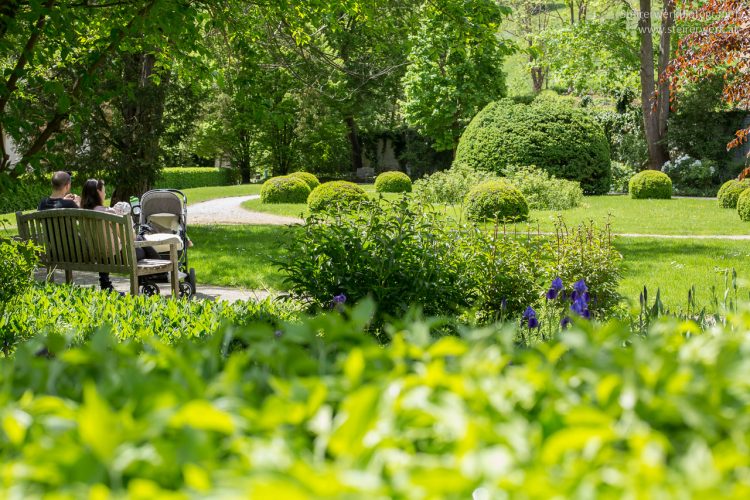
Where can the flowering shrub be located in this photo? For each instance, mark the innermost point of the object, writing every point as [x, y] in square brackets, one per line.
[621, 174]
[284, 189]
[393, 182]
[650, 184]
[691, 177]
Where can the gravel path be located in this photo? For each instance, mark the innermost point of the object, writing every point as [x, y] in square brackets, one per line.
[230, 211]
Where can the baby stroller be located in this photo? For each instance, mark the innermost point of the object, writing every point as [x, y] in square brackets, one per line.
[164, 212]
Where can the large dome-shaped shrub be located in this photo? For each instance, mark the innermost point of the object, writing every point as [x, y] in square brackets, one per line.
[334, 194]
[393, 182]
[549, 133]
[730, 191]
[309, 179]
[496, 200]
[284, 189]
[650, 184]
[743, 205]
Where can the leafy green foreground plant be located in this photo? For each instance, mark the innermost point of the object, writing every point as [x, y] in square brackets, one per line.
[66, 309]
[319, 409]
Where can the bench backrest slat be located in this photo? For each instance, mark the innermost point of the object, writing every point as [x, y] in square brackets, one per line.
[73, 237]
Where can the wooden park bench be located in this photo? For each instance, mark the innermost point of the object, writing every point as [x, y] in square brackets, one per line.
[86, 240]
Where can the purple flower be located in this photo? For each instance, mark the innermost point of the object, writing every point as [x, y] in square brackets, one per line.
[557, 284]
[339, 299]
[581, 308]
[529, 313]
[565, 322]
[580, 286]
[533, 322]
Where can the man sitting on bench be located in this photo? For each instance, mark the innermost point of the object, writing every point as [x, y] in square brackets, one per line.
[61, 196]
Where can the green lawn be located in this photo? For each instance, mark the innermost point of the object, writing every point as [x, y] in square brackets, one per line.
[681, 216]
[673, 266]
[197, 195]
[237, 256]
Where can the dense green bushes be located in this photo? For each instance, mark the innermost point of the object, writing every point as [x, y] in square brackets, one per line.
[335, 194]
[299, 408]
[650, 184]
[17, 262]
[81, 311]
[566, 142]
[285, 189]
[496, 200]
[393, 182]
[403, 254]
[310, 179]
[730, 192]
[743, 205]
[449, 186]
[194, 177]
[22, 194]
[543, 192]
[691, 177]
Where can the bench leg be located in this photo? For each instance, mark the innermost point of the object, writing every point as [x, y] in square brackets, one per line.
[133, 284]
[68, 276]
[175, 282]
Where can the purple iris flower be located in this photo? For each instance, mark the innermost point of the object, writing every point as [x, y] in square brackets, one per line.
[555, 289]
[339, 299]
[529, 313]
[580, 290]
[529, 318]
[565, 322]
[581, 308]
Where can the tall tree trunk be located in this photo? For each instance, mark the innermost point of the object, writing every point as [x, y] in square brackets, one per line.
[142, 108]
[356, 144]
[655, 110]
[537, 78]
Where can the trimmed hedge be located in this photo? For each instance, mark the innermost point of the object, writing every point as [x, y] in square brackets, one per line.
[493, 200]
[743, 205]
[730, 192]
[335, 193]
[193, 177]
[309, 179]
[650, 184]
[22, 194]
[393, 182]
[284, 189]
[564, 141]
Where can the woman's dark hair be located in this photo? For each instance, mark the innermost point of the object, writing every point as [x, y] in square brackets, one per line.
[90, 197]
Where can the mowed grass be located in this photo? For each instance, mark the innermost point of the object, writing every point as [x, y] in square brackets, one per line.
[679, 216]
[300, 209]
[237, 256]
[198, 195]
[673, 266]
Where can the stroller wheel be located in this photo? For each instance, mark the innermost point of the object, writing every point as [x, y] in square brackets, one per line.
[191, 278]
[186, 290]
[150, 289]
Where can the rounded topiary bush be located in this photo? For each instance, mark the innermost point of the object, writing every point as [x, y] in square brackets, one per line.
[496, 200]
[730, 191]
[393, 182]
[334, 194]
[550, 133]
[284, 189]
[650, 184]
[309, 179]
[743, 205]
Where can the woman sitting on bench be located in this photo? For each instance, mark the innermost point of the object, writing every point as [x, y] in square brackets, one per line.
[92, 198]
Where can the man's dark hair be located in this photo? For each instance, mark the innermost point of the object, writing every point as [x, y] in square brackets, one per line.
[60, 180]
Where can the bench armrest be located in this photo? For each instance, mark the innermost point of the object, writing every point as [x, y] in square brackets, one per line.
[171, 241]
